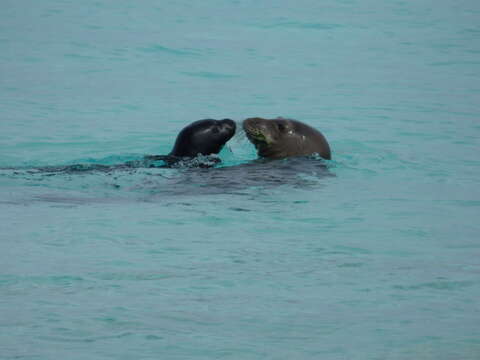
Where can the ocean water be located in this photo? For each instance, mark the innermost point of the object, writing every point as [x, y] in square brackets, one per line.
[375, 257]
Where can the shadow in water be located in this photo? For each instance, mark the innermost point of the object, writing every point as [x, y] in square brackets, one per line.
[143, 180]
[300, 172]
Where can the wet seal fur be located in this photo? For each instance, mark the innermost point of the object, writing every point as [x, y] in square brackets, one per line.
[196, 146]
[197, 141]
[280, 138]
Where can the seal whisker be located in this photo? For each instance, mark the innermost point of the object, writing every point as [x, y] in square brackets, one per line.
[240, 135]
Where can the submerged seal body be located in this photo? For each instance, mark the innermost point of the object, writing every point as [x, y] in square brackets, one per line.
[202, 137]
[280, 138]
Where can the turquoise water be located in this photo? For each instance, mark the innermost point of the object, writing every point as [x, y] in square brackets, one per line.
[375, 258]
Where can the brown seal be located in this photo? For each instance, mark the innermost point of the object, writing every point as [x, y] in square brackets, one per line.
[280, 138]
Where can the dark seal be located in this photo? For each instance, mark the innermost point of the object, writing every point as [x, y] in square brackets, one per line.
[202, 137]
[281, 138]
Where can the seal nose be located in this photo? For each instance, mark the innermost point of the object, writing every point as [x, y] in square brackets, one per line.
[254, 122]
[229, 125]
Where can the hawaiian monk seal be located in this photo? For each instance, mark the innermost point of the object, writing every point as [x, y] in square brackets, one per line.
[280, 138]
[202, 137]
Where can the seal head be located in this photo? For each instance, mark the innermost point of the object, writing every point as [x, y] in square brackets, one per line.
[280, 138]
[204, 137]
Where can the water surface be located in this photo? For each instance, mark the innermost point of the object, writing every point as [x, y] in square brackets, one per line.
[375, 258]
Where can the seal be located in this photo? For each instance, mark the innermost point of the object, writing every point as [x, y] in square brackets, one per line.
[202, 137]
[280, 138]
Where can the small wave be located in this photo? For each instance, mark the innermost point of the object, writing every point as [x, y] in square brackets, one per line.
[210, 75]
[302, 25]
[156, 48]
[437, 285]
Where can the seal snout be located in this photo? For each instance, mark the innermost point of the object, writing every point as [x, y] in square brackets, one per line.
[256, 129]
[228, 125]
[253, 123]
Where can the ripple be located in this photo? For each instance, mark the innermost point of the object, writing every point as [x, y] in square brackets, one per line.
[437, 285]
[210, 75]
[131, 276]
[86, 339]
[156, 48]
[302, 25]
